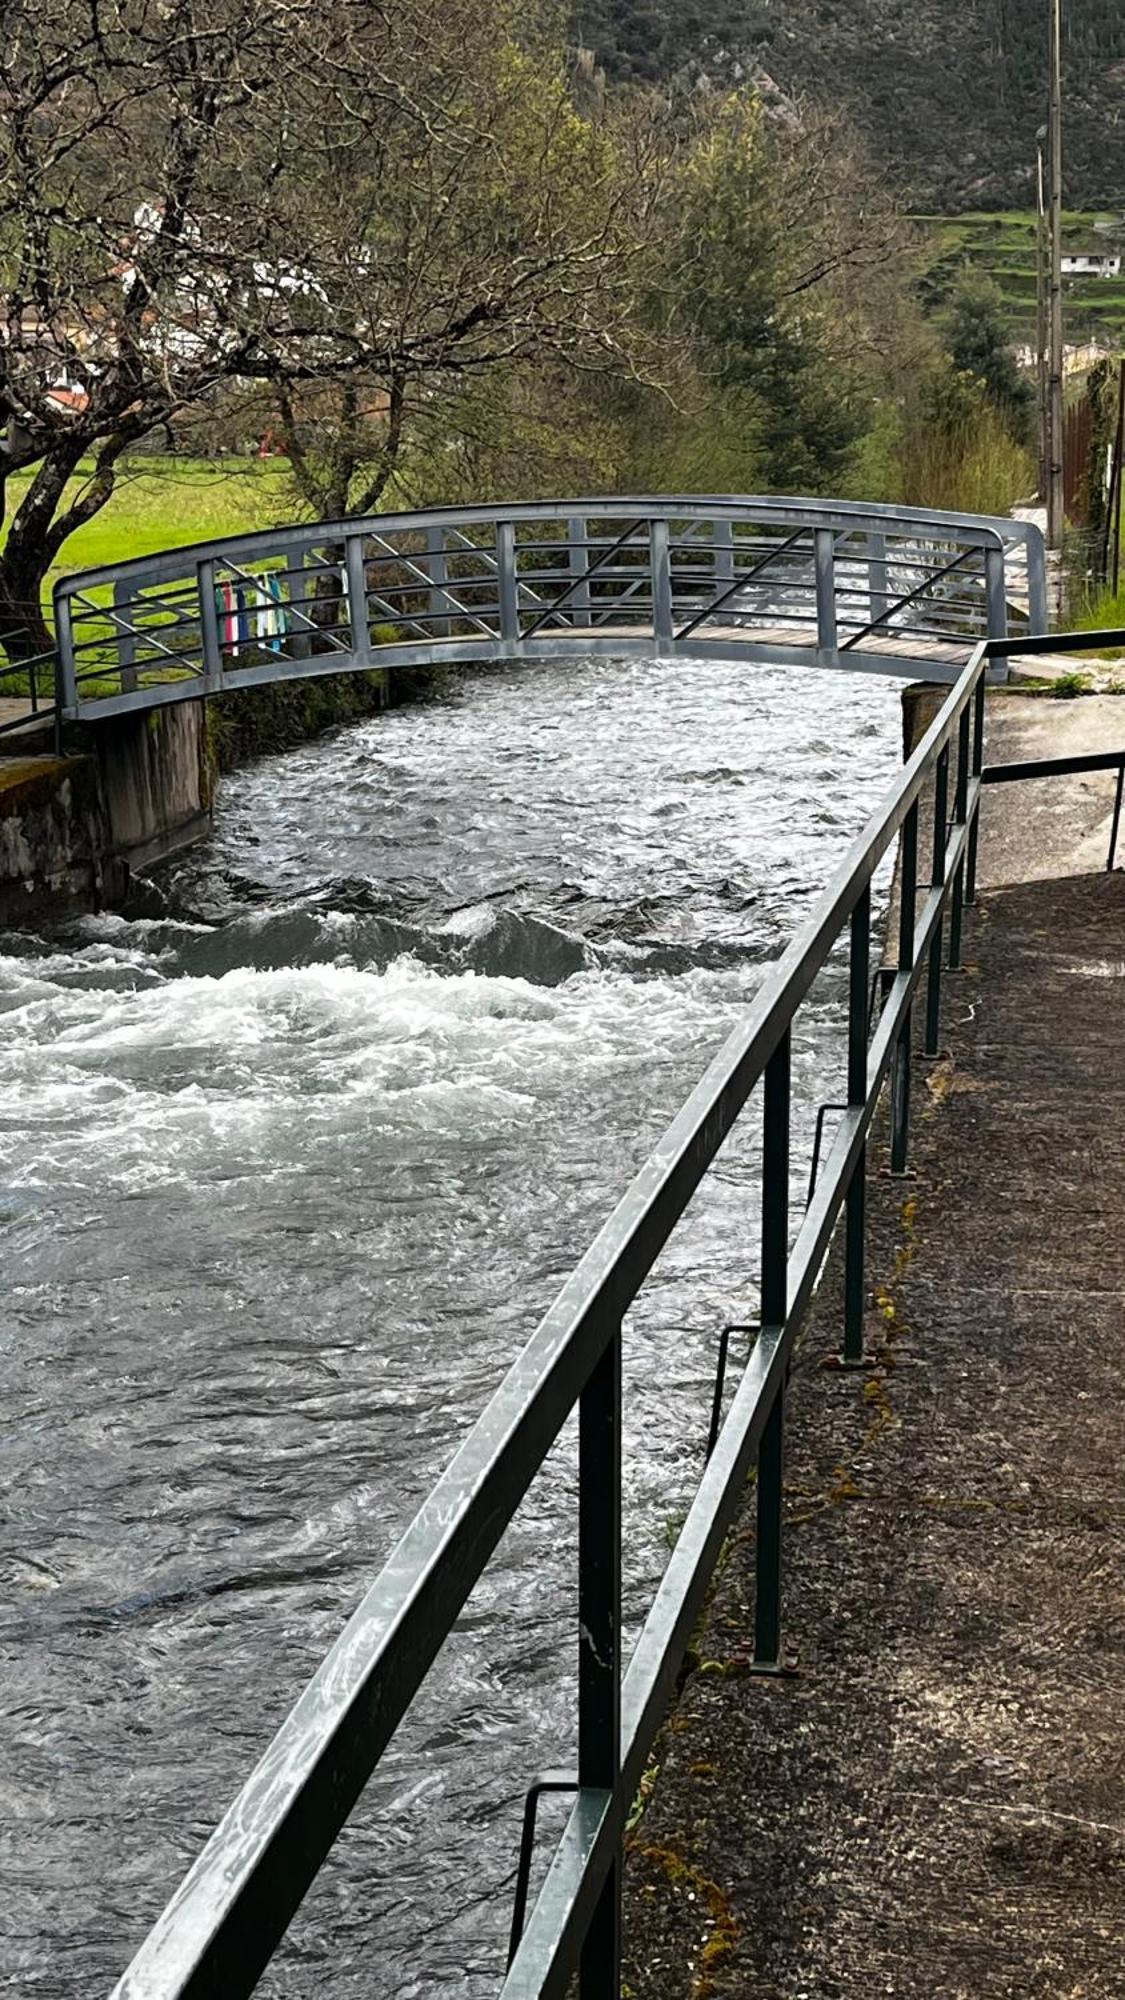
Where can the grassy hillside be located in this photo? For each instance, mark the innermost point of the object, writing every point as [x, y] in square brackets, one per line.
[949, 98]
[1003, 246]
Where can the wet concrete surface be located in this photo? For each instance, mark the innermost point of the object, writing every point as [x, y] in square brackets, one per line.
[1044, 827]
[934, 1803]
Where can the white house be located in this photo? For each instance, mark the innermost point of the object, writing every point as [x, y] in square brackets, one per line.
[1091, 264]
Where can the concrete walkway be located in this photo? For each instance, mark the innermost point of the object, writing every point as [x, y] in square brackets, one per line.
[934, 1805]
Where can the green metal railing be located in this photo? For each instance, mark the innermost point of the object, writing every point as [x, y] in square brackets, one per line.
[225, 1921]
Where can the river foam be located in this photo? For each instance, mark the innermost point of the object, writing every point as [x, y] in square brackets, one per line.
[289, 1166]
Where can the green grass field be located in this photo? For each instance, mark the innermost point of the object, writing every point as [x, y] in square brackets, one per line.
[165, 503]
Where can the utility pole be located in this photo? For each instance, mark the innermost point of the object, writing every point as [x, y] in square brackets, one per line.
[1042, 402]
[1055, 521]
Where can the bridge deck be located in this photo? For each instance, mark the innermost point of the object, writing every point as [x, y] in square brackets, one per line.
[935, 1803]
[890, 645]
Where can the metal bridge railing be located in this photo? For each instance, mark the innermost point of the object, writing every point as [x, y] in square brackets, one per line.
[799, 581]
[1082, 761]
[22, 680]
[225, 1921]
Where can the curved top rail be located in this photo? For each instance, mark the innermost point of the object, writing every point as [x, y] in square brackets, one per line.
[801, 581]
[869, 517]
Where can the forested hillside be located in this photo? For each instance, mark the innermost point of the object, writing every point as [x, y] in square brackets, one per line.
[949, 98]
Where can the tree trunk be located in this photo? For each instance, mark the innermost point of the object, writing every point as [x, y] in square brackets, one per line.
[24, 631]
[27, 554]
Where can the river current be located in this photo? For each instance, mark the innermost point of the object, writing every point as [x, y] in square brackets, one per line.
[289, 1168]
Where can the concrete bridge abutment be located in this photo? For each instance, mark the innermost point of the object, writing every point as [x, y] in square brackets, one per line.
[73, 829]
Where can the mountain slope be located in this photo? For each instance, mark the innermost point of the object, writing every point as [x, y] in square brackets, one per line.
[948, 97]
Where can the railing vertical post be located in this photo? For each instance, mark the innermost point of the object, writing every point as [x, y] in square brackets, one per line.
[579, 564]
[126, 640]
[854, 1289]
[209, 625]
[437, 569]
[506, 581]
[960, 813]
[298, 574]
[660, 567]
[722, 558]
[900, 1090]
[977, 768]
[996, 592]
[825, 558]
[1118, 795]
[774, 1309]
[878, 596]
[357, 596]
[67, 679]
[599, 1641]
[937, 878]
[1038, 618]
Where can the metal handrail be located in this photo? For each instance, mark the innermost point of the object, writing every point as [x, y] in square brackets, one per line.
[867, 517]
[400, 600]
[1082, 760]
[39, 711]
[1068, 767]
[226, 1919]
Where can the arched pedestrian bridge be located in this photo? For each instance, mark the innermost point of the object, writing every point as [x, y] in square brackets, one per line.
[799, 582]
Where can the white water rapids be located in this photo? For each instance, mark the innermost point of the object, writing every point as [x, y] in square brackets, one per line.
[288, 1171]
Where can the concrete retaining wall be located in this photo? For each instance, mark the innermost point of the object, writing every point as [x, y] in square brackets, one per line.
[73, 828]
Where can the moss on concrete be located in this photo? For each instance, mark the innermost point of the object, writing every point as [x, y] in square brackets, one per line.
[28, 782]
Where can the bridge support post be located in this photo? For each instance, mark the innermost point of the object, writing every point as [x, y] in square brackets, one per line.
[856, 1227]
[127, 638]
[437, 568]
[996, 596]
[357, 597]
[878, 596]
[900, 1088]
[209, 627]
[66, 680]
[774, 1311]
[599, 1644]
[1038, 613]
[296, 571]
[722, 544]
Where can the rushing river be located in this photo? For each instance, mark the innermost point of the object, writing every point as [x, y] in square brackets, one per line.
[288, 1171]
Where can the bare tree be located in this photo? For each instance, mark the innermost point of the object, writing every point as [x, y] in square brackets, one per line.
[349, 205]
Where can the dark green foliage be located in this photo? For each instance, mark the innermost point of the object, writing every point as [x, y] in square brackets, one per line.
[1102, 393]
[652, 39]
[254, 722]
[976, 337]
[949, 98]
[757, 327]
